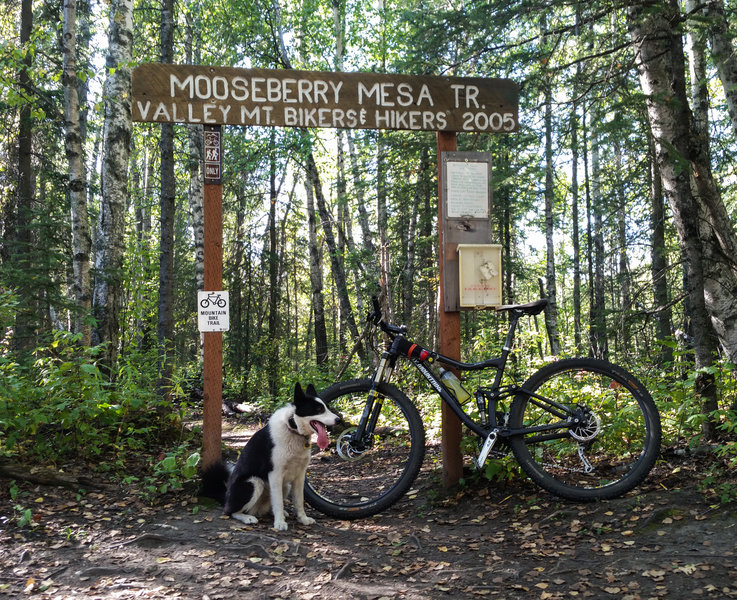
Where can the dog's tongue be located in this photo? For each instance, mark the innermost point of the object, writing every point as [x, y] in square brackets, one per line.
[322, 434]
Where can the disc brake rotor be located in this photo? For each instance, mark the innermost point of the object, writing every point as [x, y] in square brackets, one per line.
[344, 445]
[588, 427]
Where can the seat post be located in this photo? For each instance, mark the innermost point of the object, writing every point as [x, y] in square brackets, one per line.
[507, 348]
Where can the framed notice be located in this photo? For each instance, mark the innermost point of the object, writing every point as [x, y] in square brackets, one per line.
[468, 189]
[480, 275]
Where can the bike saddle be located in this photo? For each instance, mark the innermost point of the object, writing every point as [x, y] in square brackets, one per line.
[531, 308]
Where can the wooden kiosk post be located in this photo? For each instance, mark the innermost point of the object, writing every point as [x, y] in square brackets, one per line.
[449, 335]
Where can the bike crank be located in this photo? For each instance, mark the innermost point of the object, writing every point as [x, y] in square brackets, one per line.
[485, 449]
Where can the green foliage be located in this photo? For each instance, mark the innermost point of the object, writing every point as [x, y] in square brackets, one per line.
[23, 516]
[59, 406]
[170, 472]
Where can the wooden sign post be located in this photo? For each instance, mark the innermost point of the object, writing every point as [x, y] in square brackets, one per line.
[215, 96]
[449, 334]
[212, 373]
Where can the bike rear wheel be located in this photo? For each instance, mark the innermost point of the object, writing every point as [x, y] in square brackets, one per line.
[348, 481]
[611, 448]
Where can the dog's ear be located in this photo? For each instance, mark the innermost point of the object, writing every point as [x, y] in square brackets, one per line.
[311, 391]
[298, 393]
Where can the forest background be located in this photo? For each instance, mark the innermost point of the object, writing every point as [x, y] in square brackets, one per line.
[616, 200]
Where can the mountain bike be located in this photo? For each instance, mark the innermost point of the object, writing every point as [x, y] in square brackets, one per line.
[581, 428]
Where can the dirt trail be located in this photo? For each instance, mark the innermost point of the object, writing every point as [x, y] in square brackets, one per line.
[511, 541]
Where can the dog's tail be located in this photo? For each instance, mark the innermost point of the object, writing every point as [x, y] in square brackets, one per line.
[215, 481]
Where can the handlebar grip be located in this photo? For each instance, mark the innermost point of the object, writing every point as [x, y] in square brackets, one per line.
[375, 315]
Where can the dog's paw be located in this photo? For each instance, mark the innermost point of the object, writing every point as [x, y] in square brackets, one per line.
[305, 520]
[280, 525]
[243, 518]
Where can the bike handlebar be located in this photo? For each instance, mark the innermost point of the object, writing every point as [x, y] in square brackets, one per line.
[376, 318]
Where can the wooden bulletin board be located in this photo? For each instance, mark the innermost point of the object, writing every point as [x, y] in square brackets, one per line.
[466, 215]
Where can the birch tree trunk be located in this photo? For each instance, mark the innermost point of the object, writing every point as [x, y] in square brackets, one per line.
[81, 240]
[696, 49]
[724, 54]
[382, 221]
[659, 55]
[195, 136]
[367, 236]
[110, 242]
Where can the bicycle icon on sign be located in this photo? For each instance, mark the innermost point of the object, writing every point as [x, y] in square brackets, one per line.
[213, 299]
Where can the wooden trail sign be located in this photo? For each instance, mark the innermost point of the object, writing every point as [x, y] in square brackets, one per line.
[166, 93]
[216, 96]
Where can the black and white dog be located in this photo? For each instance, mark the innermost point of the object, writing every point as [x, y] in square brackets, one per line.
[273, 462]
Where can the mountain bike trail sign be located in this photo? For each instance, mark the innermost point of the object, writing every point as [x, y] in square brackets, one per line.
[213, 311]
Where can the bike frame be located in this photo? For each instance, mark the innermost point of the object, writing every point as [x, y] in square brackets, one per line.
[488, 432]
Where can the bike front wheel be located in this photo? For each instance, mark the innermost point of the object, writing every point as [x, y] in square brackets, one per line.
[593, 429]
[353, 480]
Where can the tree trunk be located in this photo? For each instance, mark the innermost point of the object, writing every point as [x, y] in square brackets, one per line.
[576, 234]
[409, 298]
[110, 239]
[659, 55]
[316, 283]
[195, 137]
[167, 210]
[382, 219]
[724, 54]
[551, 312]
[23, 338]
[363, 217]
[623, 274]
[598, 332]
[659, 263]
[335, 261]
[273, 265]
[696, 48]
[73, 142]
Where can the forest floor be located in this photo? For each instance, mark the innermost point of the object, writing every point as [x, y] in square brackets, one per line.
[664, 540]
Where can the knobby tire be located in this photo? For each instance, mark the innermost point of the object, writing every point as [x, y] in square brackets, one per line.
[353, 487]
[622, 447]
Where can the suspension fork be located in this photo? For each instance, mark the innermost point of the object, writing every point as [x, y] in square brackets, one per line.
[374, 402]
